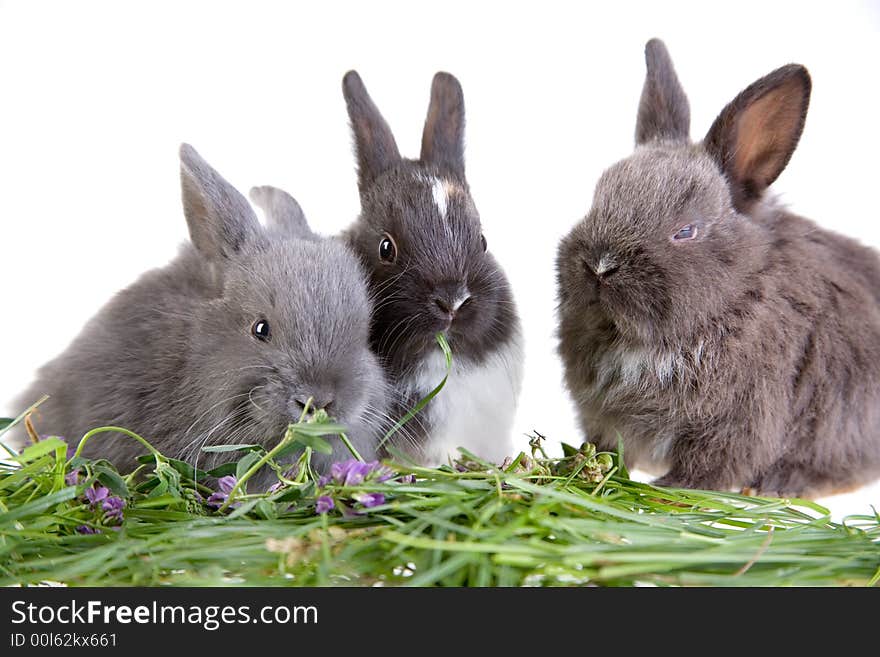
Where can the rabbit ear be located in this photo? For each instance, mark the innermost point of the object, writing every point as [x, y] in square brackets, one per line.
[374, 144]
[220, 219]
[755, 135]
[443, 137]
[664, 111]
[282, 211]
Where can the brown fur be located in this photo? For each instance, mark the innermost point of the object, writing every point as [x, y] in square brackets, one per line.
[748, 356]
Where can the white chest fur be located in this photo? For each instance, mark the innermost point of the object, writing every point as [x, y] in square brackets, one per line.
[476, 407]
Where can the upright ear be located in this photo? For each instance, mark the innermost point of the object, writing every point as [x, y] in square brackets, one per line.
[374, 144]
[221, 221]
[755, 135]
[443, 137]
[664, 111]
[283, 213]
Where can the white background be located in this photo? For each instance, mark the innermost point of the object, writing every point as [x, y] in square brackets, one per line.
[95, 98]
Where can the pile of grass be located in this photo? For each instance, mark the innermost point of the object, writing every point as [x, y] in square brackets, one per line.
[575, 520]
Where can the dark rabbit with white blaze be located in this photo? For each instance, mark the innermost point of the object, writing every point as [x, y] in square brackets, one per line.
[420, 238]
[727, 341]
[226, 343]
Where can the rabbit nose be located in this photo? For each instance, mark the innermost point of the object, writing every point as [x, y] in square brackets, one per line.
[444, 306]
[450, 304]
[315, 402]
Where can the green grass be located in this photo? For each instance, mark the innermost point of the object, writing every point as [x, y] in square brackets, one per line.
[540, 521]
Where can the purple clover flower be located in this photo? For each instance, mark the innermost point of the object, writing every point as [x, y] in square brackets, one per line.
[407, 479]
[113, 507]
[323, 504]
[225, 484]
[97, 494]
[369, 500]
[349, 473]
[85, 529]
[216, 500]
[353, 472]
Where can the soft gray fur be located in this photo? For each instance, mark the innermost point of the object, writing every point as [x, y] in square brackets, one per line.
[173, 357]
[745, 356]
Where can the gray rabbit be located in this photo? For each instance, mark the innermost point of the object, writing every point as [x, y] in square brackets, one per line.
[420, 238]
[727, 341]
[226, 343]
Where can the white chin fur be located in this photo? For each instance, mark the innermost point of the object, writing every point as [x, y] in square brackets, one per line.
[476, 407]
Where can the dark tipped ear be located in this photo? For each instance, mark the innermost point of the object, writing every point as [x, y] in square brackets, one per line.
[221, 221]
[374, 143]
[443, 137]
[755, 135]
[664, 111]
[283, 213]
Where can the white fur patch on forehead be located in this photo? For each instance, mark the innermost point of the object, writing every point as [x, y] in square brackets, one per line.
[441, 199]
[441, 190]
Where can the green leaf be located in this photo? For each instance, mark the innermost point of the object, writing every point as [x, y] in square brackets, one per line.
[184, 468]
[159, 489]
[147, 485]
[112, 480]
[170, 476]
[245, 464]
[265, 510]
[244, 508]
[292, 494]
[35, 451]
[291, 447]
[318, 429]
[229, 448]
[622, 470]
[187, 471]
[315, 442]
[223, 470]
[568, 450]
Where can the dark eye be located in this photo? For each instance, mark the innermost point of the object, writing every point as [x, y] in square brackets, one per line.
[685, 233]
[483, 242]
[387, 250]
[260, 330]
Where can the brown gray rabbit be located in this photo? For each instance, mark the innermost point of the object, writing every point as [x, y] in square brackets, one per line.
[726, 341]
[227, 342]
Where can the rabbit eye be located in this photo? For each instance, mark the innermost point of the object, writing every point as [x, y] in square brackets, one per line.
[260, 330]
[483, 242]
[387, 250]
[688, 232]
